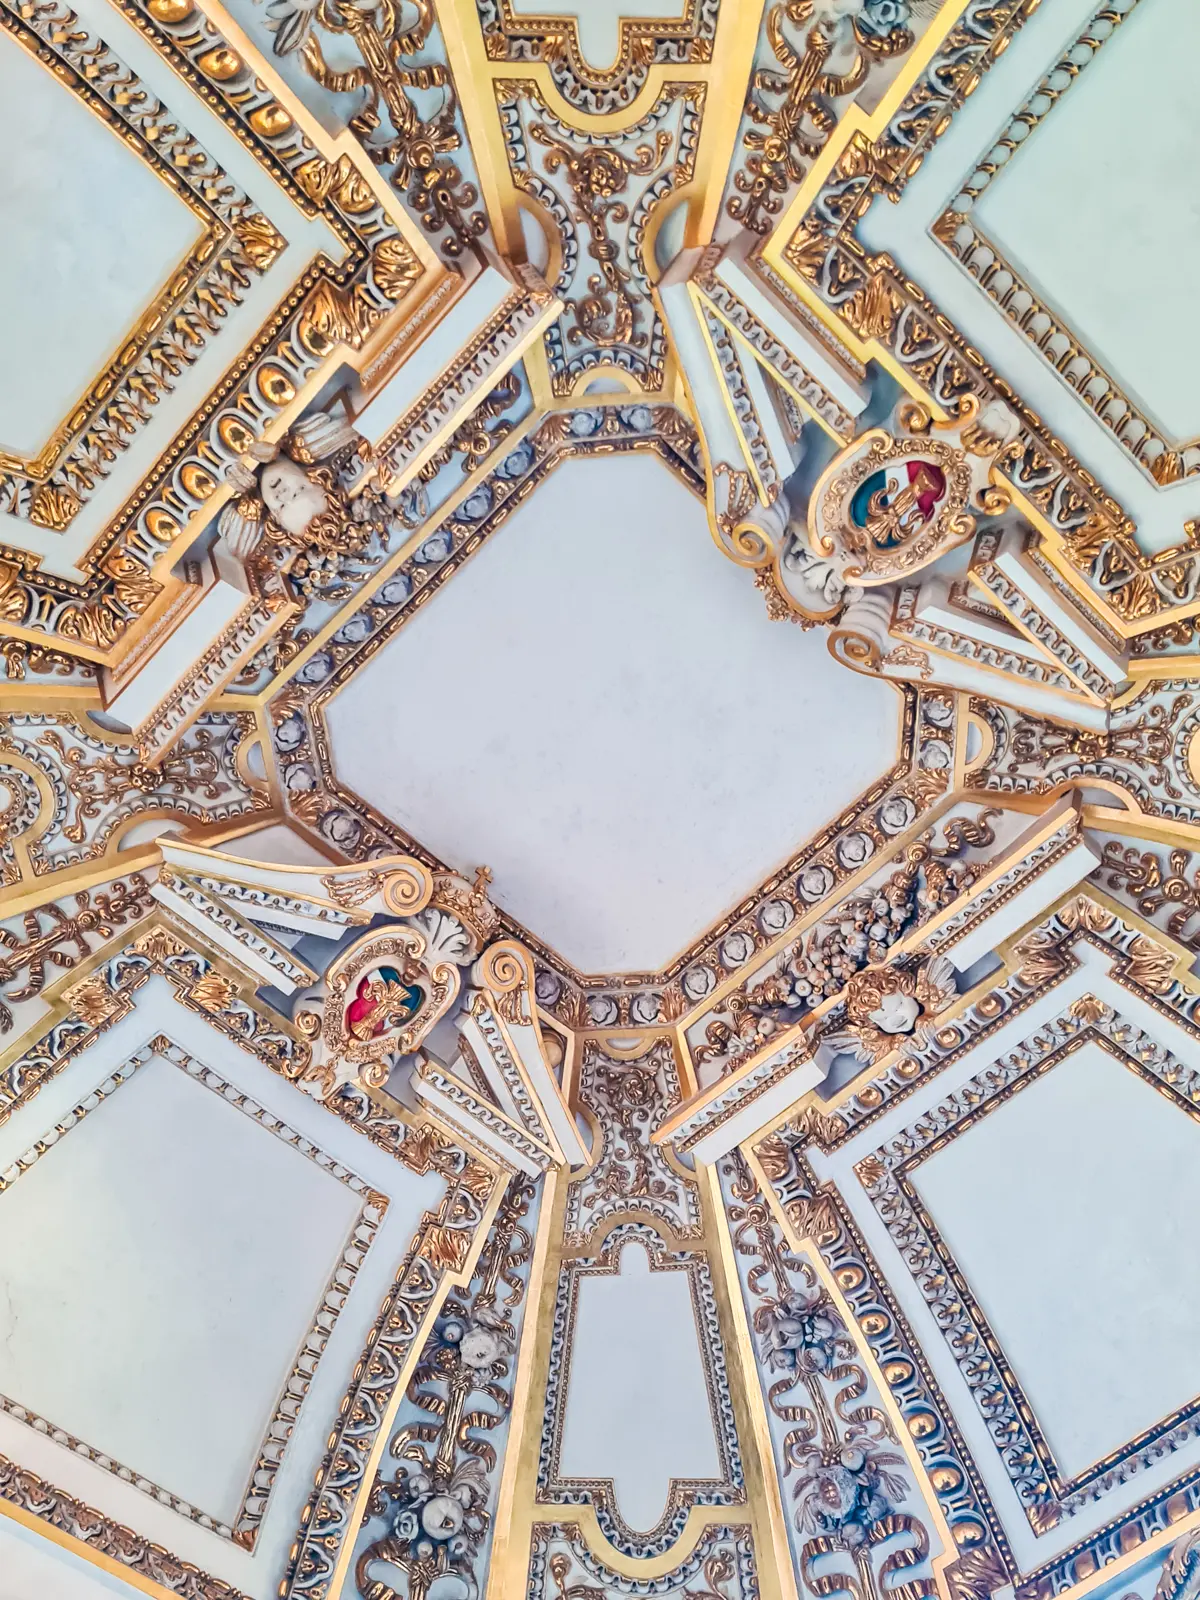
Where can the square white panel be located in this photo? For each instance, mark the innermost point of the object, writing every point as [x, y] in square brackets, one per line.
[1098, 210]
[1069, 1211]
[162, 1264]
[91, 233]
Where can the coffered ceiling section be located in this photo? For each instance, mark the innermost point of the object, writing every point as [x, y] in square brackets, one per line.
[599, 800]
[650, 704]
[1055, 249]
[147, 251]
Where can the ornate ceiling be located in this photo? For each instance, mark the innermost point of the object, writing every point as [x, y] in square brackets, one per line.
[599, 800]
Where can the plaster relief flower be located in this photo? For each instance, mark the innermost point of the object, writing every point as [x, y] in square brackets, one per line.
[880, 18]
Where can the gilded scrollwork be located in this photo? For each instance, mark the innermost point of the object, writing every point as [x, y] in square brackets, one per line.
[52, 938]
[382, 995]
[628, 1099]
[893, 502]
[820, 54]
[514, 35]
[96, 786]
[856, 1516]
[414, 149]
[430, 1515]
[601, 189]
[880, 1494]
[1164, 886]
[1143, 752]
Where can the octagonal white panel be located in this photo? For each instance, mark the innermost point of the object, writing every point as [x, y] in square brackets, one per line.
[598, 708]
[1068, 1211]
[91, 234]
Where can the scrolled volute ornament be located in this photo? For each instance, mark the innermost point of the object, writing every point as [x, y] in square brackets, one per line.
[401, 885]
[506, 970]
[897, 499]
[860, 639]
[744, 528]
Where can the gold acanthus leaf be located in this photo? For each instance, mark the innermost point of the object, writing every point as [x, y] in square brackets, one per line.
[874, 310]
[394, 267]
[92, 1001]
[52, 507]
[260, 239]
[1150, 965]
[158, 945]
[445, 1247]
[212, 992]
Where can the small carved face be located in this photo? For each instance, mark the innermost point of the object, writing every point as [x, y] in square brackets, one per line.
[896, 1013]
[291, 496]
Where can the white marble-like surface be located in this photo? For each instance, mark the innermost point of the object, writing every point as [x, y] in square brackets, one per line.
[634, 744]
[33, 1567]
[1100, 211]
[278, 844]
[90, 235]
[1070, 1212]
[637, 1405]
[162, 1264]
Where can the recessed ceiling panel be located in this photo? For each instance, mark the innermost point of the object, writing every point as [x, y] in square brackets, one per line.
[1080, 1182]
[164, 1259]
[92, 234]
[636, 746]
[1102, 223]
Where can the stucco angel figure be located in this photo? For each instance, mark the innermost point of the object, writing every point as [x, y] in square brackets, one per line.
[891, 1006]
[298, 495]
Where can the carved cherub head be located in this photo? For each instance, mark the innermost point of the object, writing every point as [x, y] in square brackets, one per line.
[294, 494]
[886, 1005]
[291, 497]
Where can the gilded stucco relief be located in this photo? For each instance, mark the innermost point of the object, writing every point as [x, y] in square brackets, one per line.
[844, 1251]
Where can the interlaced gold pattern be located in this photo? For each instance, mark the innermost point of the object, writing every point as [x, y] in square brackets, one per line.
[441, 249]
